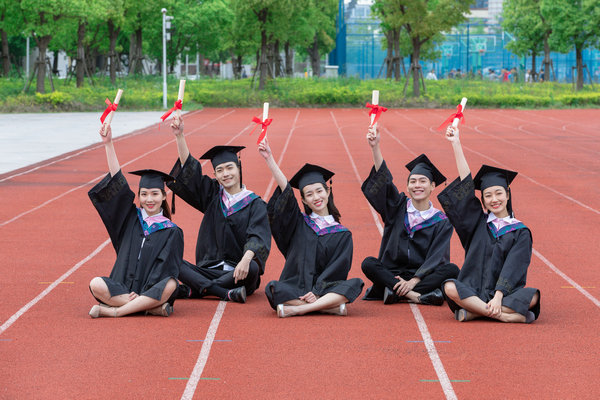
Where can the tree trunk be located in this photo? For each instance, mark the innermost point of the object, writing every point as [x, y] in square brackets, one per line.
[5, 53]
[55, 62]
[42, 43]
[579, 60]
[397, 57]
[135, 53]
[389, 57]
[415, 67]
[315, 59]
[546, 58]
[278, 60]
[79, 67]
[289, 60]
[262, 60]
[113, 33]
[533, 72]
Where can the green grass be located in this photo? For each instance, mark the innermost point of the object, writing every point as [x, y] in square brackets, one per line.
[145, 93]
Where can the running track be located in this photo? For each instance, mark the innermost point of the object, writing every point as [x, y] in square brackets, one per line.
[53, 243]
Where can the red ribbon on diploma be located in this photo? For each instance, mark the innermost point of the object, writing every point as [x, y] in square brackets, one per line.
[177, 106]
[377, 110]
[110, 107]
[264, 125]
[458, 114]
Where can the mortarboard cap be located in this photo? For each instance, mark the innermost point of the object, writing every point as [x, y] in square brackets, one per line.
[222, 154]
[423, 166]
[152, 179]
[488, 176]
[310, 174]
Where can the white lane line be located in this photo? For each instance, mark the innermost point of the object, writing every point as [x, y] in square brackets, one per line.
[431, 350]
[54, 284]
[101, 176]
[190, 388]
[566, 278]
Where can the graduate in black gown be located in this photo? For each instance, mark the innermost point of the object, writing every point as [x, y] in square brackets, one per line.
[497, 246]
[234, 239]
[316, 247]
[414, 256]
[149, 246]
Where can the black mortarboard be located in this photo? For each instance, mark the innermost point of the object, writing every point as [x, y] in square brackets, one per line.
[222, 154]
[152, 179]
[423, 166]
[310, 174]
[493, 176]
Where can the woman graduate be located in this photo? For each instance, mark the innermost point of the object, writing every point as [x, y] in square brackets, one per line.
[234, 239]
[497, 246]
[316, 247]
[149, 246]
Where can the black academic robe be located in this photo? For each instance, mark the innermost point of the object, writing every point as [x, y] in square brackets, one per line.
[493, 260]
[224, 235]
[145, 269]
[316, 260]
[418, 250]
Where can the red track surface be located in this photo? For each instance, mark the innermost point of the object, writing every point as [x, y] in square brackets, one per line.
[54, 350]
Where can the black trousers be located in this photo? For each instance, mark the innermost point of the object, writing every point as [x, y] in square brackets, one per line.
[206, 280]
[383, 277]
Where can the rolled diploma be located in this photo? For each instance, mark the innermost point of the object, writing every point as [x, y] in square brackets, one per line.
[265, 112]
[374, 101]
[463, 103]
[180, 95]
[109, 117]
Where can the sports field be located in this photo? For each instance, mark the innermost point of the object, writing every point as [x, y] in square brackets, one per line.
[53, 243]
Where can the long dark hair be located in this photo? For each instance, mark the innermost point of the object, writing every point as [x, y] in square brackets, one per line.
[165, 205]
[331, 208]
[508, 203]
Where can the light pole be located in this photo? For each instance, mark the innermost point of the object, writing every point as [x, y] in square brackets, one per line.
[166, 24]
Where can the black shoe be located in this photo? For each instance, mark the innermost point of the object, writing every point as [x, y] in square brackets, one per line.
[389, 297]
[371, 296]
[238, 294]
[435, 298]
[184, 291]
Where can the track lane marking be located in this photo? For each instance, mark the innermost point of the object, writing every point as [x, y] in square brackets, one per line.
[195, 377]
[445, 382]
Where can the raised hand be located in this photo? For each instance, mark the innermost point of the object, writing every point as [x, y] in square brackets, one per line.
[106, 133]
[264, 149]
[452, 134]
[373, 136]
[177, 125]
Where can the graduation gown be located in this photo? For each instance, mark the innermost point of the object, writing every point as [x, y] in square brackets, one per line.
[494, 260]
[316, 260]
[418, 250]
[225, 234]
[145, 269]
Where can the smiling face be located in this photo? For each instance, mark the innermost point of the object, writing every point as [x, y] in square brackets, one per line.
[151, 200]
[316, 197]
[228, 175]
[495, 200]
[419, 187]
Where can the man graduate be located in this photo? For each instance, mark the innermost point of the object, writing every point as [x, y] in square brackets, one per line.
[234, 239]
[415, 249]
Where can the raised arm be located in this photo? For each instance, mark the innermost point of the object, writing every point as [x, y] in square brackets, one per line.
[374, 138]
[265, 151]
[111, 155]
[182, 147]
[452, 134]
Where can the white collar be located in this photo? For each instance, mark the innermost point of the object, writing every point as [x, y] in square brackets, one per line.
[411, 208]
[242, 193]
[492, 217]
[145, 215]
[327, 218]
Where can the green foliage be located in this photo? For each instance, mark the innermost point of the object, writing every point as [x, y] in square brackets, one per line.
[146, 94]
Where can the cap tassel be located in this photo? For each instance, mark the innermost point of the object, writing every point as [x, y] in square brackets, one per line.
[173, 203]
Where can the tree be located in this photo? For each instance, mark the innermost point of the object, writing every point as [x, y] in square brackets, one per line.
[422, 20]
[575, 24]
[42, 18]
[323, 22]
[524, 20]
[10, 20]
